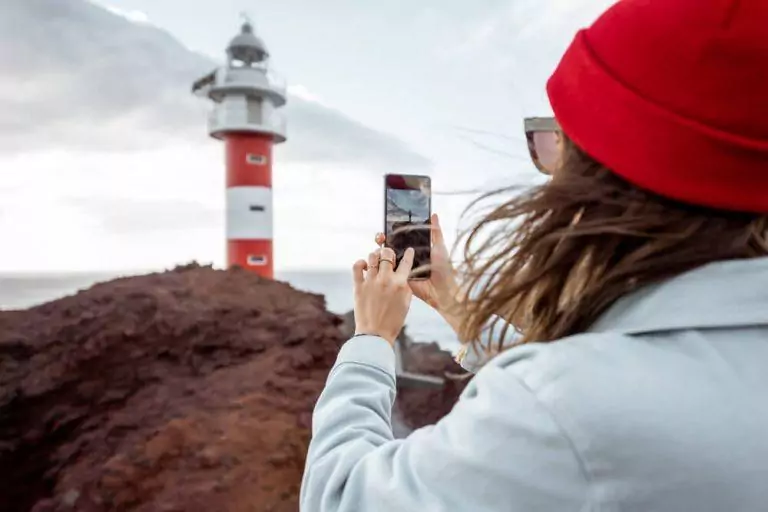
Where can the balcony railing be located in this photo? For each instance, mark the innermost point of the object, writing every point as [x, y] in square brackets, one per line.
[250, 79]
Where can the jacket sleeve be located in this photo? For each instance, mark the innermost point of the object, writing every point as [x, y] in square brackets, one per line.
[499, 449]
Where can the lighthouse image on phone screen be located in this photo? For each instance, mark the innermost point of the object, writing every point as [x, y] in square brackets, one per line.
[408, 209]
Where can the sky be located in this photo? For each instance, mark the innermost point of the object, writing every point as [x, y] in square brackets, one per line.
[105, 163]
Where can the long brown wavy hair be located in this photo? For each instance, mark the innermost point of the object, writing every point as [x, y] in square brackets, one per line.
[549, 261]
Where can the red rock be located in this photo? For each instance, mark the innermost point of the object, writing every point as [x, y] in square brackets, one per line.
[190, 390]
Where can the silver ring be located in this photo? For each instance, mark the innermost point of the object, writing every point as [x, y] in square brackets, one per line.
[391, 262]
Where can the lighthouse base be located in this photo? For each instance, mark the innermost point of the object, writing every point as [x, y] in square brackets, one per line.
[252, 255]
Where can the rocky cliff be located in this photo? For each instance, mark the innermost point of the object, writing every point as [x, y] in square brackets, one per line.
[190, 390]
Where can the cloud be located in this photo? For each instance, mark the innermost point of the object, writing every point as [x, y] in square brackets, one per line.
[79, 76]
[119, 216]
[303, 93]
[135, 16]
[321, 135]
[114, 165]
[152, 209]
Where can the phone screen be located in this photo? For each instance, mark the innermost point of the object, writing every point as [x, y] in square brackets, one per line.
[407, 218]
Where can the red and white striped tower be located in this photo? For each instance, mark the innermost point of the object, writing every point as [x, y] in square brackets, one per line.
[246, 117]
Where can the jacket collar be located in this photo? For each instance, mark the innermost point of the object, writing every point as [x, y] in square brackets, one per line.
[723, 294]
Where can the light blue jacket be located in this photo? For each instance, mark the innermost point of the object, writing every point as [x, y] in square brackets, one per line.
[661, 406]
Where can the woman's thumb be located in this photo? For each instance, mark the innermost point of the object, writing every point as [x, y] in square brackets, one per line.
[438, 241]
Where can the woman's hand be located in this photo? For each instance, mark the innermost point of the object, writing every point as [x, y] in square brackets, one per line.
[382, 294]
[441, 290]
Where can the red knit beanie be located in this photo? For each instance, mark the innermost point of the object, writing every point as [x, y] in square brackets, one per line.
[672, 95]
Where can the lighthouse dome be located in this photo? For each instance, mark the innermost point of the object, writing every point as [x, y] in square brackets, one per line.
[247, 47]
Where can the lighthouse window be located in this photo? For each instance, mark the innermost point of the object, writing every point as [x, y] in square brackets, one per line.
[257, 260]
[254, 111]
[256, 159]
[257, 208]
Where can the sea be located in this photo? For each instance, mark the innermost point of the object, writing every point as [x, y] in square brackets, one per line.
[20, 291]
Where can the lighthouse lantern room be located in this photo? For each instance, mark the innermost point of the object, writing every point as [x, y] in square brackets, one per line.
[247, 117]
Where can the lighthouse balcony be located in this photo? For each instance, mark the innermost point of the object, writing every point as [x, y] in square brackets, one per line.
[256, 81]
[243, 120]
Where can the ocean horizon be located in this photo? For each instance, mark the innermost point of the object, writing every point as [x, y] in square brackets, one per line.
[25, 290]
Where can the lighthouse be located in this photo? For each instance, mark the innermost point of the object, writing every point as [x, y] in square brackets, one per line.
[247, 117]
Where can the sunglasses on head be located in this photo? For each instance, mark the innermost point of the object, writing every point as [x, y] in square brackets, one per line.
[544, 138]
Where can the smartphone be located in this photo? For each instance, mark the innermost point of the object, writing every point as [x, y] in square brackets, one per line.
[407, 213]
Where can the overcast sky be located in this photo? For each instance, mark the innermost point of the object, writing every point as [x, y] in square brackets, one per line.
[106, 164]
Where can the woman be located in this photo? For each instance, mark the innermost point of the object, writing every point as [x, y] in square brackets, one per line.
[637, 280]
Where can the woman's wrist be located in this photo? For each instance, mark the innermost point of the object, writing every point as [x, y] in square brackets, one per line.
[360, 333]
